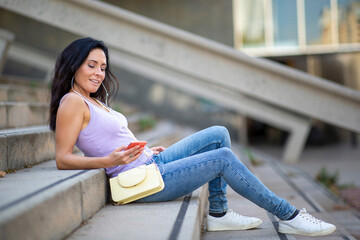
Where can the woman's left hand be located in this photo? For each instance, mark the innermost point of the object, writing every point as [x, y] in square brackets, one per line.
[157, 150]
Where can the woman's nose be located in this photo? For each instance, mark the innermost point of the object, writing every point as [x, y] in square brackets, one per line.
[98, 72]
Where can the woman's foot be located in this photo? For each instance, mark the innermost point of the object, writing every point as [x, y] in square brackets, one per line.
[305, 224]
[231, 221]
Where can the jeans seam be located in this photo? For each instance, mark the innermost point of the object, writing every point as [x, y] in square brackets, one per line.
[259, 193]
[195, 152]
[199, 165]
[199, 150]
[249, 183]
[222, 209]
[190, 167]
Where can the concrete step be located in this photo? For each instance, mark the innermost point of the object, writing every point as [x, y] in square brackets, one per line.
[46, 203]
[22, 81]
[297, 189]
[23, 147]
[27, 146]
[178, 219]
[20, 93]
[268, 230]
[320, 200]
[23, 114]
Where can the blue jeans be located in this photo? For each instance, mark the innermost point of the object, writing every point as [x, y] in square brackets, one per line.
[206, 157]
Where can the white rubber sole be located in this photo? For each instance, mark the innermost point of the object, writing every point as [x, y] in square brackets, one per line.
[288, 230]
[234, 228]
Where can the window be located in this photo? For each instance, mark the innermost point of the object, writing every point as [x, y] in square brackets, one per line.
[252, 22]
[318, 22]
[287, 27]
[285, 23]
[349, 21]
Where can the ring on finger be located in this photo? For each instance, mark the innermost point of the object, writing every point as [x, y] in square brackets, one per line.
[130, 155]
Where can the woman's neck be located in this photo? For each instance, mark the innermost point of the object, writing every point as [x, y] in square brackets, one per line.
[87, 96]
[84, 93]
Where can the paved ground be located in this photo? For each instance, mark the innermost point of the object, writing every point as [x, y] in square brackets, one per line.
[342, 157]
[299, 189]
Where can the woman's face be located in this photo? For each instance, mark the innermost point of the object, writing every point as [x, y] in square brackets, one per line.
[91, 73]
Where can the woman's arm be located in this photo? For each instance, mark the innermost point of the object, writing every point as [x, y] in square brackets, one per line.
[73, 115]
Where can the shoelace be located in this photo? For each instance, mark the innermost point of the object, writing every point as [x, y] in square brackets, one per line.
[234, 214]
[304, 214]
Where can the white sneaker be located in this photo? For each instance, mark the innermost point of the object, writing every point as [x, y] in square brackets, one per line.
[231, 221]
[305, 224]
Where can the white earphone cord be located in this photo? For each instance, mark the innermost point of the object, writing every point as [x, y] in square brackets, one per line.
[107, 94]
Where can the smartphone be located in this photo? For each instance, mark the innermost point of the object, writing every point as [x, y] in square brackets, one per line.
[133, 144]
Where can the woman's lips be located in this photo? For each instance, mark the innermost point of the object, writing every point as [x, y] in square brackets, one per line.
[95, 81]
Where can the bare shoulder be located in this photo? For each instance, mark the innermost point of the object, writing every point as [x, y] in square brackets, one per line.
[72, 103]
[72, 99]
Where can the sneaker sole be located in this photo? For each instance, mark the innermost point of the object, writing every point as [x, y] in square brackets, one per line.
[235, 228]
[313, 234]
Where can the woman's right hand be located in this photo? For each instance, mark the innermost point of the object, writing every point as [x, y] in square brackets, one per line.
[120, 156]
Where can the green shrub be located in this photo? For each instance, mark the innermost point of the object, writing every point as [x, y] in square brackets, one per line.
[147, 123]
[254, 161]
[328, 180]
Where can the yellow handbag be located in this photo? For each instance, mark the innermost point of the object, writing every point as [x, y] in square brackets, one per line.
[136, 183]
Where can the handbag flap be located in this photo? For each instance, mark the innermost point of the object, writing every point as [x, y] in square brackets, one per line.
[132, 177]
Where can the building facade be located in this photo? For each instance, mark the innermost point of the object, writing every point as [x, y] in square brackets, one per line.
[320, 37]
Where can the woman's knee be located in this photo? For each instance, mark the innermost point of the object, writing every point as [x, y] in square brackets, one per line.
[225, 151]
[229, 157]
[222, 134]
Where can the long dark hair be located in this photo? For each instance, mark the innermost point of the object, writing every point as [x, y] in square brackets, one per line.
[68, 62]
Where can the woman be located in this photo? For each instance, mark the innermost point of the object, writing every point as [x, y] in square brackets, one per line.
[78, 117]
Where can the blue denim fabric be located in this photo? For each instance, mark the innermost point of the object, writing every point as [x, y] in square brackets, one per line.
[206, 157]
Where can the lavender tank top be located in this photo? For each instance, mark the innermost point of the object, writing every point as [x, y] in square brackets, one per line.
[105, 132]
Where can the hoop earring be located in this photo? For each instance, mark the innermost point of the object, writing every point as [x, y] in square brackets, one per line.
[72, 83]
[107, 94]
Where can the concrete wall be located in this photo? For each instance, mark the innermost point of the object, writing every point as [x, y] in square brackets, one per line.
[342, 68]
[134, 89]
[37, 35]
[212, 19]
[33, 33]
[174, 104]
